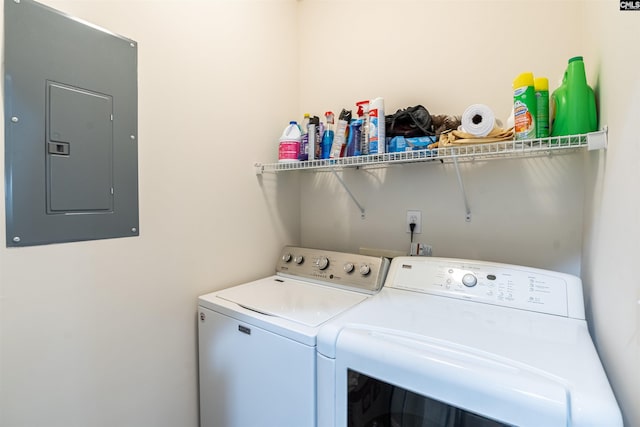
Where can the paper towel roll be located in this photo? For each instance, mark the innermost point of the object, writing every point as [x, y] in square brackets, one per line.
[478, 120]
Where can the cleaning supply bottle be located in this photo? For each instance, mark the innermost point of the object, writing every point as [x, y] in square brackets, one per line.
[541, 86]
[338, 148]
[353, 142]
[289, 148]
[358, 142]
[319, 134]
[364, 132]
[574, 102]
[524, 106]
[312, 134]
[327, 137]
[376, 126]
[304, 139]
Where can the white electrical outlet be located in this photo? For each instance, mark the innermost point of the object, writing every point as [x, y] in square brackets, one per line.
[414, 217]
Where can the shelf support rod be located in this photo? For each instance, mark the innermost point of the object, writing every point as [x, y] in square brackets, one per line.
[464, 194]
[349, 193]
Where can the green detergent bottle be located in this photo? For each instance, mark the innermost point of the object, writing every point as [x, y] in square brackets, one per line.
[574, 102]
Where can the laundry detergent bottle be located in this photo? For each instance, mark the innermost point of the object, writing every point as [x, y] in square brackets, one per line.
[574, 102]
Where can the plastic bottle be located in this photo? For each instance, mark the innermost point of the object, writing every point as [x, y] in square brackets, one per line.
[353, 143]
[574, 102]
[319, 134]
[314, 140]
[289, 149]
[304, 139]
[358, 142]
[327, 137]
[541, 85]
[524, 106]
[376, 126]
[364, 139]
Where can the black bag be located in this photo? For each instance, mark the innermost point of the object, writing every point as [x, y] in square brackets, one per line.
[410, 122]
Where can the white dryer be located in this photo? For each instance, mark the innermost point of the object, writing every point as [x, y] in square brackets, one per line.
[257, 341]
[453, 343]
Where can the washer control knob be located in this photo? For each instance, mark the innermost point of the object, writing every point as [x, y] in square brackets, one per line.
[322, 263]
[365, 269]
[299, 259]
[348, 267]
[286, 257]
[469, 280]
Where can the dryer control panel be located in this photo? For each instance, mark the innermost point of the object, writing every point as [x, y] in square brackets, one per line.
[525, 288]
[361, 273]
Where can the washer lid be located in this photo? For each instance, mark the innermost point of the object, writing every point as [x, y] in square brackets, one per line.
[306, 303]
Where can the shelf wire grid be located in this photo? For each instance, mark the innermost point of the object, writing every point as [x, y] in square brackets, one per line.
[511, 148]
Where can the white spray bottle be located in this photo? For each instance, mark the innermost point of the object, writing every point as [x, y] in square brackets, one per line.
[376, 126]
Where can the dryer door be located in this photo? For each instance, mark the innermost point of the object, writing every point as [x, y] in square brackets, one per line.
[388, 379]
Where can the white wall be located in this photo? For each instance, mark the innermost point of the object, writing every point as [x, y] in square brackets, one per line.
[103, 333]
[612, 224]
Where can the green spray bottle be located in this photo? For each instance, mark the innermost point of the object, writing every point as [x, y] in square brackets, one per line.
[541, 85]
[574, 102]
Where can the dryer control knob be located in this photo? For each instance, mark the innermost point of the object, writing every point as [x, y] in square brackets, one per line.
[469, 280]
[286, 257]
[298, 259]
[322, 263]
[365, 269]
[348, 267]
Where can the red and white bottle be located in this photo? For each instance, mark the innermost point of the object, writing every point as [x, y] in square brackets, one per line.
[289, 148]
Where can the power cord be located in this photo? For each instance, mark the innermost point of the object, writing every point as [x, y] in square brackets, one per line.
[412, 226]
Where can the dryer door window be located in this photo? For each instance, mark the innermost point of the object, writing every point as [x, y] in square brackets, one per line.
[375, 403]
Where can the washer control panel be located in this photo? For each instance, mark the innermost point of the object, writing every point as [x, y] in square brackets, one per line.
[360, 272]
[506, 285]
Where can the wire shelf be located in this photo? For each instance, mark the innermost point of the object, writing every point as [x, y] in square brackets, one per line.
[503, 149]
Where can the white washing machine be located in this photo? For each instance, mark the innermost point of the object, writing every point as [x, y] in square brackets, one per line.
[453, 343]
[257, 341]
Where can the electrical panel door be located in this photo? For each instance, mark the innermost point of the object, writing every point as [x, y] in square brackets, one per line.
[70, 128]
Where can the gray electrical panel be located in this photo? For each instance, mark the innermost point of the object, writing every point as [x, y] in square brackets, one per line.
[71, 126]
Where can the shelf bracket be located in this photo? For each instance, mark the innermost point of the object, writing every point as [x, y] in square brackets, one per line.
[464, 194]
[597, 140]
[258, 168]
[349, 193]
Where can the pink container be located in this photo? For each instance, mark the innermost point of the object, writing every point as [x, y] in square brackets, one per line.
[289, 149]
